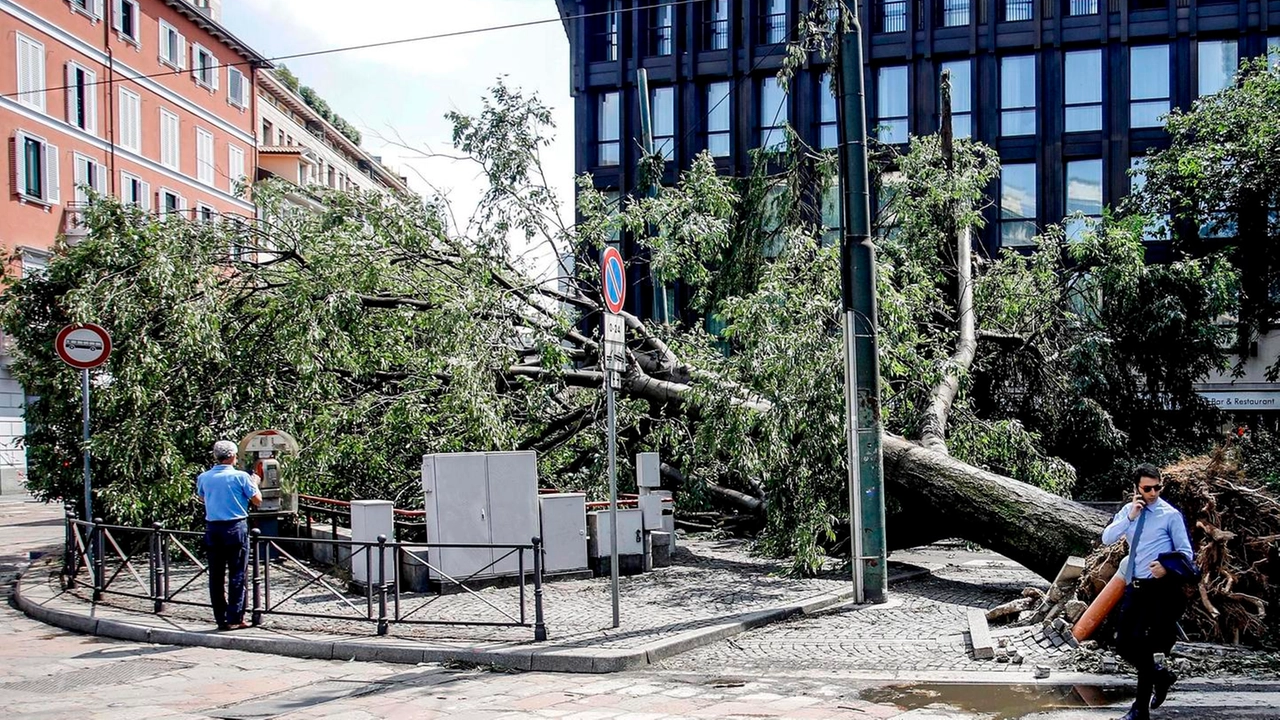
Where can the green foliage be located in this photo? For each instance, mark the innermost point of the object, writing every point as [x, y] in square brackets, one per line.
[317, 103]
[1221, 173]
[1260, 457]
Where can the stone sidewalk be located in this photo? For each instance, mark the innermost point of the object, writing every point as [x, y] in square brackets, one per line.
[714, 590]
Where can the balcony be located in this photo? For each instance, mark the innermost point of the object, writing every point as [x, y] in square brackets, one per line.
[73, 226]
[716, 36]
[953, 13]
[773, 29]
[893, 16]
[1081, 7]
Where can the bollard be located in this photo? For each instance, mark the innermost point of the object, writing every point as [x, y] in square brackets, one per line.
[382, 584]
[99, 560]
[157, 583]
[69, 561]
[254, 550]
[520, 555]
[539, 626]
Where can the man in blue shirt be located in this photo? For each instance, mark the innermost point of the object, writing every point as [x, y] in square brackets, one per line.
[1154, 598]
[227, 494]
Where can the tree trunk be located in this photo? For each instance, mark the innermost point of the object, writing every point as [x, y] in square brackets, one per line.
[1035, 528]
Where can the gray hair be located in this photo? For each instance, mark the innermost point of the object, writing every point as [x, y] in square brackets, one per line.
[224, 449]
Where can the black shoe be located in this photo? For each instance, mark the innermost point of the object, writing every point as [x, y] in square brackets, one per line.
[1136, 714]
[1164, 681]
[223, 627]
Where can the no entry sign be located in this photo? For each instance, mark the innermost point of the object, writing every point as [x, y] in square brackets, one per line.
[614, 279]
[83, 346]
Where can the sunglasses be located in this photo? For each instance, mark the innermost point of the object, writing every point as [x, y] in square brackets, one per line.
[1151, 488]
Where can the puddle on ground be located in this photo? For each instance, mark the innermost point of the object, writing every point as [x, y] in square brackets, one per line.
[999, 701]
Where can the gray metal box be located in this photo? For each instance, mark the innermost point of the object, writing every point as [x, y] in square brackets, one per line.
[480, 498]
[564, 531]
[648, 470]
[630, 533]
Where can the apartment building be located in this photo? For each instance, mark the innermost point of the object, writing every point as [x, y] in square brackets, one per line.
[150, 101]
[297, 144]
[1069, 92]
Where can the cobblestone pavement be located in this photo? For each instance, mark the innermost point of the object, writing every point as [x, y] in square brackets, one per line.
[50, 673]
[923, 627]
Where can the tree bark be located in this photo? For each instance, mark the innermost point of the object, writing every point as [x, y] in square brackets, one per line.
[1024, 523]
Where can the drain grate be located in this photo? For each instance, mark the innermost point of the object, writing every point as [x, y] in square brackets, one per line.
[109, 674]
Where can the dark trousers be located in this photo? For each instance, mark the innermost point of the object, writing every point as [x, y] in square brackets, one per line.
[227, 542]
[1149, 614]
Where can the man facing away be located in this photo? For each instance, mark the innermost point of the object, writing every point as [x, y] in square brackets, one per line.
[227, 494]
[1153, 599]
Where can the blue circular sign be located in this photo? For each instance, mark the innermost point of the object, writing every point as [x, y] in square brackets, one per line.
[615, 279]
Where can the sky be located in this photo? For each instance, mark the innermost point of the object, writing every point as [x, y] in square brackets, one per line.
[402, 92]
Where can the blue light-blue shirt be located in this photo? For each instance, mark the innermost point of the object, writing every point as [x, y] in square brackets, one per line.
[1164, 531]
[226, 492]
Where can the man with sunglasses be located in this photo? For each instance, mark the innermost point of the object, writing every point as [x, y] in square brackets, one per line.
[1154, 599]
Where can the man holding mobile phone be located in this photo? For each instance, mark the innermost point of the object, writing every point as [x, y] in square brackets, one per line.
[1160, 559]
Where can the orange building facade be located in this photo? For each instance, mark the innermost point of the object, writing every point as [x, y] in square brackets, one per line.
[150, 101]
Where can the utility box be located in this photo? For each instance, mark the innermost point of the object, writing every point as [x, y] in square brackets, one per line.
[630, 541]
[369, 519]
[564, 532]
[480, 498]
[651, 510]
[648, 471]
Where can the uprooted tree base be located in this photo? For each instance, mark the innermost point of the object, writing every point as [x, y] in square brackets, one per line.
[1234, 524]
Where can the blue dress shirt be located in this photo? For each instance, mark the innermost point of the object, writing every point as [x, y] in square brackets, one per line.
[226, 492]
[1163, 531]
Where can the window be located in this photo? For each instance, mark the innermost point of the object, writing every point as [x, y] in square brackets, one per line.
[773, 24]
[88, 174]
[1017, 10]
[1017, 204]
[893, 16]
[1082, 7]
[82, 98]
[612, 21]
[961, 97]
[31, 81]
[663, 28]
[205, 214]
[719, 112]
[1148, 85]
[608, 129]
[662, 105]
[1273, 49]
[170, 144]
[35, 168]
[955, 13]
[130, 120]
[828, 135]
[204, 67]
[891, 103]
[173, 47]
[134, 191]
[235, 168]
[717, 32]
[1218, 62]
[831, 225]
[774, 114]
[92, 8]
[237, 88]
[1018, 95]
[1156, 228]
[1084, 194]
[170, 203]
[1083, 90]
[125, 20]
[35, 263]
[204, 156]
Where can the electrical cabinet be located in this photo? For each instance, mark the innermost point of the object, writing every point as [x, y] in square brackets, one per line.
[482, 499]
[564, 531]
[369, 519]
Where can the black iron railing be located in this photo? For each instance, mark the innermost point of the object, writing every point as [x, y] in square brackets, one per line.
[1082, 7]
[113, 556]
[953, 13]
[893, 16]
[1017, 10]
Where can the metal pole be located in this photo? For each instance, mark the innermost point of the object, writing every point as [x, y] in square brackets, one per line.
[539, 624]
[613, 493]
[84, 407]
[255, 547]
[382, 584]
[862, 371]
[157, 583]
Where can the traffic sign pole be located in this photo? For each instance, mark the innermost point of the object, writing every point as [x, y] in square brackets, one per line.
[613, 274]
[88, 478]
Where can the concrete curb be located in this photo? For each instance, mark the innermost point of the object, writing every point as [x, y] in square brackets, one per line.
[543, 658]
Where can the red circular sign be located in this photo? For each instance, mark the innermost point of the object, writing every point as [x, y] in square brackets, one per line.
[83, 346]
[614, 274]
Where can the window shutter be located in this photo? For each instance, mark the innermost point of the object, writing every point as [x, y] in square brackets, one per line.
[70, 92]
[91, 103]
[18, 171]
[96, 6]
[117, 10]
[195, 61]
[213, 70]
[100, 178]
[51, 174]
[182, 53]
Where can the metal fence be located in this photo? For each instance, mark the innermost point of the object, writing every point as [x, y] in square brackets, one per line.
[113, 557]
[893, 16]
[954, 13]
[1017, 10]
